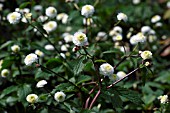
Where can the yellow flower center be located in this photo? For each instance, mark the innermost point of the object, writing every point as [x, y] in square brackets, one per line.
[108, 67]
[80, 38]
[87, 8]
[13, 17]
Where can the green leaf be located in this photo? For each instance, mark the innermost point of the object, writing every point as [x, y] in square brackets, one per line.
[130, 95]
[112, 51]
[83, 78]
[6, 44]
[23, 91]
[8, 90]
[42, 74]
[24, 5]
[43, 98]
[78, 66]
[52, 63]
[100, 61]
[66, 87]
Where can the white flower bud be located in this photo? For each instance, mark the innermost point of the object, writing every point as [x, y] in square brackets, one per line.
[87, 10]
[147, 64]
[64, 48]
[146, 55]
[106, 69]
[41, 83]
[121, 74]
[135, 1]
[155, 18]
[51, 12]
[39, 53]
[50, 26]
[4, 73]
[63, 17]
[118, 29]
[122, 16]
[1, 62]
[68, 38]
[14, 17]
[145, 29]
[79, 39]
[49, 47]
[15, 48]
[101, 36]
[32, 98]
[163, 99]
[31, 58]
[59, 96]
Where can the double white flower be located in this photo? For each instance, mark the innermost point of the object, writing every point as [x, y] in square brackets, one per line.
[59, 96]
[32, 98]
[50, 26]
[4, 73]
[80, 39]
[146, 55]
[122, 16]
[31, 58]
[15, 48]
[87, 11]
[14, 17]
[163, 99]
[51, 12]
[106, 69]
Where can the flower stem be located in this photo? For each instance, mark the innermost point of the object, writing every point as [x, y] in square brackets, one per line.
[122, 78]
[60, 76]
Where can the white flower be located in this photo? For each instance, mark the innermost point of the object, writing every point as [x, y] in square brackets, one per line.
[49, 47]
[89, 21]
[118, 29]
[15, 48]
[32, 98]
[63, 17]
[51, 12]
[168, 4]
[163, 99]
[146, 55]
[27, 16]
[137, 38]
[1, 62]
[140, 37]
[4, 73]
[145, 29]
[68, 38]
[79, 39]
[158, 24]
[63, 55]
[87, 10]
[59, 96]
[147, 64]
[136, 1]
[113, 77]
[1, 6]
[155, 18]
[50, 26]
[122, 16]
[38, 7]
[101, 36]
[42, 18]
[106, 69]
[39, 53]
[25, 10]
[31, 58]
[41, 83]
[64, 48]
[152, 38]
[121, 74]
[14, 17]
[118, 37]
